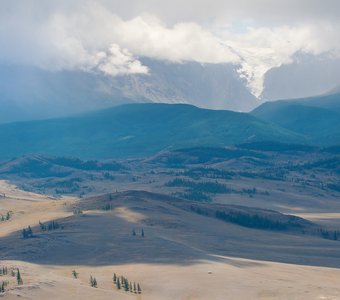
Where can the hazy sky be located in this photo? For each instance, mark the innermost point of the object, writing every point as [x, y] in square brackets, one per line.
[109, 36]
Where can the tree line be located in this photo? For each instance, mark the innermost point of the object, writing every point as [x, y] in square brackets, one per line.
[6, 217]
[121, 283]
[49, 226]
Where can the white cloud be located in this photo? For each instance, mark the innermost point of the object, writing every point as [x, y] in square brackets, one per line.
[118, 62]
[94, 37]
[147, 36]
[64, 42]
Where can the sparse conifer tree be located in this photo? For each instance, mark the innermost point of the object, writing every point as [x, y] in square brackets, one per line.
[42, 226]
[93, 281]
[126, 285]
[19, 279]
[29, 231]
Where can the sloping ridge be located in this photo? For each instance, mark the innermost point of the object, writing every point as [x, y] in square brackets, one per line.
[136, 130]
[245, 216]
[317, 118]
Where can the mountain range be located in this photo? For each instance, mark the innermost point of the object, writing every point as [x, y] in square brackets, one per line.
[29, 93]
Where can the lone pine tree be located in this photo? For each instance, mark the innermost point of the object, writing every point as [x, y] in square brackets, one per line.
[42, 226]
[29, 231]
[126, 285]
[19, 279]
[3, 286]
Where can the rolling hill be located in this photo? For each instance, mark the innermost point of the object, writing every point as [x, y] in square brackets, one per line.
[136, 130]
[317, 118]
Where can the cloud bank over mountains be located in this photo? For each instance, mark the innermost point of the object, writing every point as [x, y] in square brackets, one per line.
[110, 37]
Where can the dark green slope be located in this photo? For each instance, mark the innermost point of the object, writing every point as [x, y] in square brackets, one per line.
[317, 118]
[136, 130]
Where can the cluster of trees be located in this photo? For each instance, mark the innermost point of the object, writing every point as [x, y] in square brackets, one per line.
[3, 284]
[88, 165]
[141, 233]
[334, 187]
[329, 234]
[249, 220]
[199, 211]
[27, 232]
[3, 271]
[245, 219]
[107, 206]
[77, 212]
[6, 217]
[108, 176]
[204, 187]
[123, 283]
[197, 173]
[267, 173]
[53, 225]
[193, 196]
[93, 282]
